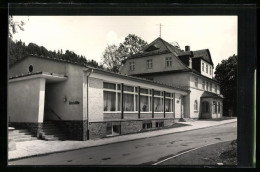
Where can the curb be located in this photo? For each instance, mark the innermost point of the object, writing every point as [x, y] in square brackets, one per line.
[71, 149]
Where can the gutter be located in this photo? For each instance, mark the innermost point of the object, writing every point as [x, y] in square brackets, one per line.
[88, 74]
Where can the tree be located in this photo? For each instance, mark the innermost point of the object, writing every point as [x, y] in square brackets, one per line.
[226, 74]
[14, 26]
[132, 44]
[111, 58]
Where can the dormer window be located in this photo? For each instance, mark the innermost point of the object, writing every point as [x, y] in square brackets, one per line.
[206, 68]
[202, 67]
[210, 70]
[210, 86]
[216, 87]
[203, 84]
[168, 62]
[149, 64]
[132, 66]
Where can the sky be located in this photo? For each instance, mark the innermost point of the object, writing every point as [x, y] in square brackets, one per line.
[90, 35]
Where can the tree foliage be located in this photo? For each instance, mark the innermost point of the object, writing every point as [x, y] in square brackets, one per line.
[226, 74]
[14, 26]
[115, 56]
[18, 50]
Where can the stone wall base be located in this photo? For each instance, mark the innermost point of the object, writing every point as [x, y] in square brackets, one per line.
[75, 130]
[103, 128]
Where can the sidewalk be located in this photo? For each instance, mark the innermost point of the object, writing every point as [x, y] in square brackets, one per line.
[41, 147]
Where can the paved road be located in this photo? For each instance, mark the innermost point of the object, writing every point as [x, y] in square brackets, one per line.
[144, 151]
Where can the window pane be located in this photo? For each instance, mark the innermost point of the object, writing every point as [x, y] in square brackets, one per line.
[158, 104]
[144, 103]
[119, 101]
[157, 93]
[167, 94]
[109, 101]
[128, 88]
[128, 102]
[168, 105]
[109, 86]
[144, 91]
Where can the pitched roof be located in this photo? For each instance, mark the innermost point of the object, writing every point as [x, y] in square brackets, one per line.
[204, 54]
[182, 88]
[207, 94]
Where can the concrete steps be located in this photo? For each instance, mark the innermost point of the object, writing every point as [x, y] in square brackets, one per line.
[51, 132]
[20, 135]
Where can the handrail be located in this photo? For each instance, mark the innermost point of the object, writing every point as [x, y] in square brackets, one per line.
[55, 114]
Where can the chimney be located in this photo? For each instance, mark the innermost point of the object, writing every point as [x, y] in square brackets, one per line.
[187, 48]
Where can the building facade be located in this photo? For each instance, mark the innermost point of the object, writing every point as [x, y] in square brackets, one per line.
[163, 62]
[154, 89]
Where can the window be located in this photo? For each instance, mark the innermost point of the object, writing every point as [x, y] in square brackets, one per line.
[206, 68]
[147, 124]
[210, 86]
[145, 97]
[210, 70]
[149, 64]
[112, 130]
[168, 102]
[109, 97]
[158, 101]
[207, 86]
[196, 82]
[202, 67]
[203, 84]
[129, 98]
[218, 107]
[216, 87]
[168, 62]
[132, 66]
[195, 105]
[214, 107]
[159, 124]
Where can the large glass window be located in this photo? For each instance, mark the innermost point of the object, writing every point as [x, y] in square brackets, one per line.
[109, 101]
[145, 99]
[111, 97]
[168, 102]
[158, 101]
[129, 98]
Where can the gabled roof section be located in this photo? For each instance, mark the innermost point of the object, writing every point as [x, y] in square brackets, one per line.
[161, 45]
[207, 94]
[204, 54]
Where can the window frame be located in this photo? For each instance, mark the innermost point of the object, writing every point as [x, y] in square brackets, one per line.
[149, 63]
[202, 66]
[116, 91]
[131, 66]
[206, 68]
[168, 61]
[195, 106]
[196, 82]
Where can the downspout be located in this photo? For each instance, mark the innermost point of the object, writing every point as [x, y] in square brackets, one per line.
[88, 74]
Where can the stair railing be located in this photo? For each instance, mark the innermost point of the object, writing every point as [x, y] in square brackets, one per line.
[55, 114]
